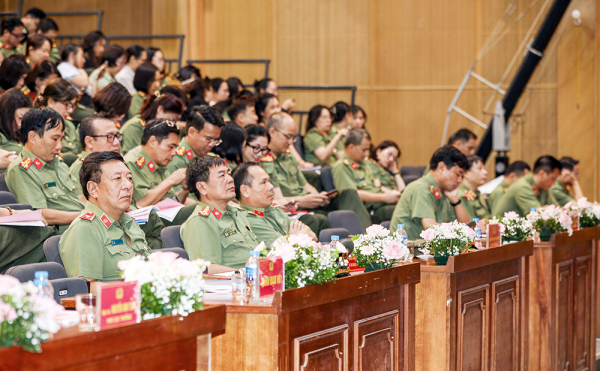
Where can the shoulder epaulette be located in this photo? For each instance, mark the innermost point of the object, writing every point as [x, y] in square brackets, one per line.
[26, 163]
[268, 158]
[205, 212]
[140, 162]
[181, 151]
[234, 205]
[257, 213]
[87, 216]
[143, 123]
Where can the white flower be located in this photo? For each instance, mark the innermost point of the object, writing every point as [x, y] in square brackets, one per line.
[377, 231]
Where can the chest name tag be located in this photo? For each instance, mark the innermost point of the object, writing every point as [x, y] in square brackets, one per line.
[153, 184]
[116, 242]
[230, 233]
[51, 184]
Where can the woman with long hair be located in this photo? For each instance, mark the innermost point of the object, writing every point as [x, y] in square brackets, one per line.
[145, 81]
[112, 102]
[323, 143]
[93, 46]
[233, 138]
[384, 166]
[39, 77]
[13, 105]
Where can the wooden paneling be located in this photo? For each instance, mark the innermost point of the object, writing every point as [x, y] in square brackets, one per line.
[472, 338]
[504, 327]
[324, 350]
[376, 342]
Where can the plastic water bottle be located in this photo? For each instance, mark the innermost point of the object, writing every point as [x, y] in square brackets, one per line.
[533, 209]
[478, 233]
[252, 275]
[401, 232]
[45, 288]
[334, 242]
[238, 286]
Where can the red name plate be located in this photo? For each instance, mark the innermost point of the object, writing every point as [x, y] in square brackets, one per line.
[353, 266]
[270, 276]
[118, 304]
[494, 237]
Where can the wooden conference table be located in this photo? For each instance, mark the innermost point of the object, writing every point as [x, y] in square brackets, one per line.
[165, 343]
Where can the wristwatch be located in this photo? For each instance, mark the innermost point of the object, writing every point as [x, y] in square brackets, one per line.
[456, 204]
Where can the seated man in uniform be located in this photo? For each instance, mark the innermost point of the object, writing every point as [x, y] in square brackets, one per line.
[464, 140]
[104, 233]
[99, 134]
[255, 193]
[290, 184]
[352, 172]
[532, 190]
[38, 176]
[216, 231]
[11, 36]
[567, 186]
[472, 200]
[242, 112]
[433, 199]
[514, 171]
[152, 180]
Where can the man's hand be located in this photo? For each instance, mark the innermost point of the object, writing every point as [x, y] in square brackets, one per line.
[177, 177]
[313, 200]
[390, 196]
[297, 227]
[287, 205]
[306, 165]
[342, 132]
[6, 158]
[452, 195]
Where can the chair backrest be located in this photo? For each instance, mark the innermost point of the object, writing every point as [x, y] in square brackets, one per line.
[7, 198]
[51, 250]
[17, 206]
[68, 287]
[386, 224]
[26, 272]
[299, 145]
[411, 173]
[325, 234]
[3, 185]
[170, 237]
[327, 179]
[177, 250]
[345, 219]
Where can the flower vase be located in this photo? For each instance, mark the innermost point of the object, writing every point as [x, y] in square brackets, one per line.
[440, 260]
[372, 267]
[545, 235]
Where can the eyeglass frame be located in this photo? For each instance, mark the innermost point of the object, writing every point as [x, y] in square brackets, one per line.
[292, 139]
[115, 136]
[68, 104]
[263, 152]
[212, 141]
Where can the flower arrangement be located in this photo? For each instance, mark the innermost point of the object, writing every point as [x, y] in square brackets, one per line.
[26, 319]
[447, 239]
[378, 248]
[516, 228]
[169, 284]
[550, 219]
[589, 214]
[306, 262]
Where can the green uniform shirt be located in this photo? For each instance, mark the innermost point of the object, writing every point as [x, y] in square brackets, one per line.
[76, 166]
[348, 174]
[496, 195]
[79, 113]
[146, 174]
[561, 193]
[132, 131]
[137, 101]
[521, 196]
[474, 203]
[421, 199]
[54, 54]
[10, 145]
[106, 79]
[268, 224]
[71, 142]
[284, 173]
[95, 243]
[386, 179]
[316, 139]
[8, 50]
[184, 155]
[219, 236]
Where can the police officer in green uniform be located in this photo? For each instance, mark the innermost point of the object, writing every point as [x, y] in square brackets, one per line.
[291, 187]
[532, 190]
[514, 171]
[464, 140]
[569, 177]
[217, 231]
[323, 142]
[13, 105]
[383, 163]
[103, 234]
[11, 36]
[353, 172]
[255, 194]
[38, 176]
[49, 28]
[152, 180]
[472, 200]
[433, 199]
[99, 134]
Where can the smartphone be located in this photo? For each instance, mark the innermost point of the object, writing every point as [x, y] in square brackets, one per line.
[333, 193]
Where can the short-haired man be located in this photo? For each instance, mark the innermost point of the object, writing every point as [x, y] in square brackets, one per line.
[136, 55]
[532, 190]
[464, 140]
[433, 199]
[255, 193]
[104, 233]
[568, 179]
[290, 184]
[216, 231]
[31, 19]
[38, 176]
[514, 171]
[12, 32]
[49, 28]
[352, 172]
[472, 200]
[242, 112]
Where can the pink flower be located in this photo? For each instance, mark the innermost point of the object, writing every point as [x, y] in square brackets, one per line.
[302, 240]
[377, 231]
[7, 283]
[583, 203]
[447, 225]
[163, 257]
[367, 250]
[511, 215]
[186, 268]
[502, 227]
[565, 220]
[394, 250]
[7, 313]
[545, 216]
[469, 232]
[286, 251]
[428, 235]
[550, 208]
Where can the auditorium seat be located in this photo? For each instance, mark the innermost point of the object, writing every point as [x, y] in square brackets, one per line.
[345, 219]
[51, 250]
[327, 179]
[170, 237]
[411, 173]
[386, 224]
[177, 250]
[17, 206]
[325, 234]
[299, 145]
[7, 198]
[3, 185]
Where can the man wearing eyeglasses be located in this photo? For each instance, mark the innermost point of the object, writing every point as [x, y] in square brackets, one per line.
[11, 30]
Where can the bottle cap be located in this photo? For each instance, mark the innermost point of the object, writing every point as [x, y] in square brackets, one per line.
[475, 219]
[254, 253]
[40, 274]
[335, 238]
[533, 209]
[400, 226]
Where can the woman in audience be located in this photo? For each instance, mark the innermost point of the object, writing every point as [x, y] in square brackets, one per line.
[384, 166]
[256, 145]
[187, 76]
[266, 105]
[113, 61]
[267, 85]
[113, 102]
[323, 143]
[233, 138]
[62, 97]
[93, 46]
[157, 58]
[360, 117]
[38, 49]
[167, 107]
[13, 71]
[71, 67]
[39, 77]
[200, 93]
[341, 116]
[235, 86]
[220, 90]
[13, 105]
[145, 81]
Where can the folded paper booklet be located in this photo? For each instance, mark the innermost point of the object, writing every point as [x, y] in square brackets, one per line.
[141, 215]
[168, 209]
[28, 219]
[314, 168]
